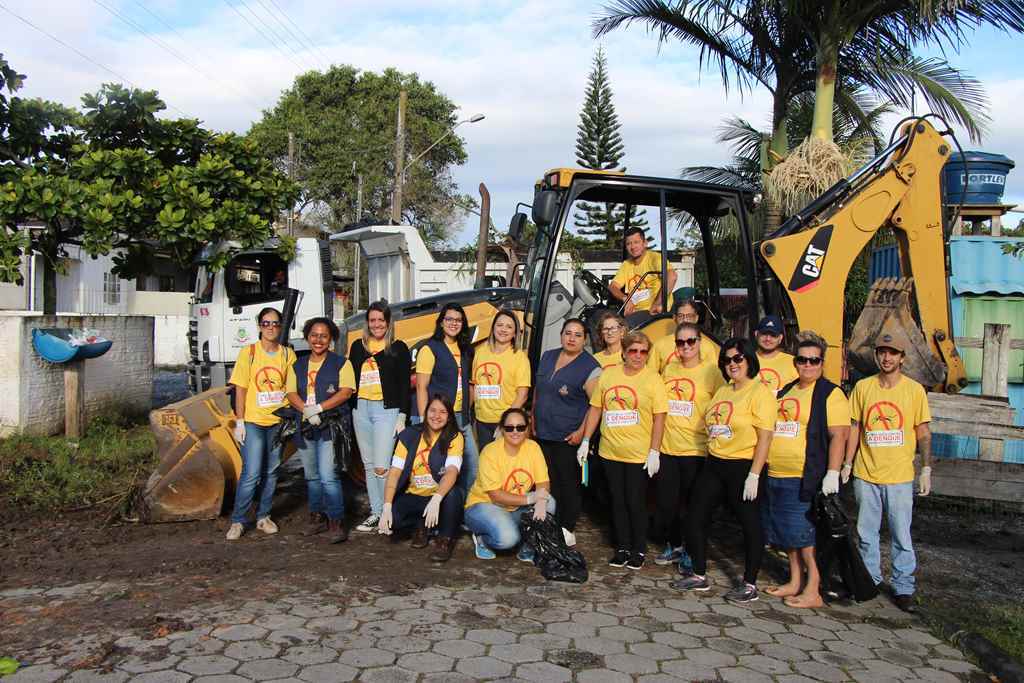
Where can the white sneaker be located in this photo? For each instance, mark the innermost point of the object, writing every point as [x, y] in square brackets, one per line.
[369, 524]
[235, 531]
[570, 537]
[266, 525]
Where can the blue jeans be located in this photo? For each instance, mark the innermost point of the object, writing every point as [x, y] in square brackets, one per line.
[375, 433]
[497, 527]
[258, 480]
[896, 501]
[323, 488]
[470, 453]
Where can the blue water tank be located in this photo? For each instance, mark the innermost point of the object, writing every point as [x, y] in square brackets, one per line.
[984, 175]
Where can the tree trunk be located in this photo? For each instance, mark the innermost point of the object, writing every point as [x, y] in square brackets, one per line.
[778, 148]
[49, 284]
[824, 93]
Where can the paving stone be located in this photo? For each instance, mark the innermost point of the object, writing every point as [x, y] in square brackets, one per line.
[293, 636]
[730, 646]
[818, 621]
[689, 670]
[346, 641]
[794, 679]
[571, 629]
[239, 632]
[384, 629]
[197, 645]
[404, 646]
[697, 630]
[161, 677]
[483, 667]
[251, 649]
[620, 609]
[36, 673]
[941, 650]
[397, 602]
[812, 632]
[739, 674]
[837, 659]
[783, 652]
[623, 633]
[631, 664]
[417, 616]
[276, 621]
[425, 662]
[551, 615]
[327, 673]
[882, 668]
[953, 665]
[852, 650]
[438, 631]
[522, 625]
[543, 672]
[820, 671]
[934, 675]
[720, 620]
[645, 624]
[873, 677]
[654, 650]
[457, 649]
[207, 665]
[267, 669]
[491, 636]
[686, 605]
[317, 610]
[896, 656]
[306, 655]
[749, 635]
[600, 646]
[705, 657]
[220, 678]
[448, 677]
[366, 658]
[136, 664]
[595, 619]
[517, 654]
[766, 665]
[545, 641]
[730, 610]
[388, 674]
[676, 640]
[666, 615]
[865, 640]
[603, 676]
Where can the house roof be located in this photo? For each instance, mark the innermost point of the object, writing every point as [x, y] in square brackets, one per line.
[979, 266]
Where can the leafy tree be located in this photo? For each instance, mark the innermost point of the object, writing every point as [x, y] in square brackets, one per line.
[599, 147]
[116, 179]
[344, 123]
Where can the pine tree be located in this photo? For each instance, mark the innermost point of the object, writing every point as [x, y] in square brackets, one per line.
[599, 146]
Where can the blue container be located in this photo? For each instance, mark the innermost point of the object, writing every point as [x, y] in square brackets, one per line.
[984, 174]
[885, 262]
[55, 346]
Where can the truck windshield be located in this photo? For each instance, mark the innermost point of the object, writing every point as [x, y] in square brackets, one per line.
[204, 285]
[255, 278]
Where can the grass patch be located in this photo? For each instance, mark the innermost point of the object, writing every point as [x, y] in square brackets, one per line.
[1002, 624]
[52, 474]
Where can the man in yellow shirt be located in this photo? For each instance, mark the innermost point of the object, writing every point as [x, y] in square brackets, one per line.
[777, 369]
[665, 352]
[890, 422]
[632, 279]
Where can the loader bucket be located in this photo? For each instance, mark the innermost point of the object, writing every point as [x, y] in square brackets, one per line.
[887, 311]
[199, 459]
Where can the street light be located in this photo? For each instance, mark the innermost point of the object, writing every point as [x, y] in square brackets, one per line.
[396, 197]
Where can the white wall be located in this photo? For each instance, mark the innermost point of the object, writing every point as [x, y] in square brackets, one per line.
[159, 303]
[170, 340]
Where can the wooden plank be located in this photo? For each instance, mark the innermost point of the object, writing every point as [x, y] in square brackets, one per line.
[979, 480]
[995, 364]
[984, 430]
[74, 400]
[979, 343]
[962, 406]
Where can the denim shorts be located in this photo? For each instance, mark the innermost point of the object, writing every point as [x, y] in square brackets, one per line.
[785, 519]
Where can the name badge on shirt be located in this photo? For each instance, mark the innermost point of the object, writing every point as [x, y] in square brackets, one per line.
[367, 377]
[640, 295]
[720, 431]
[423, 481]
[884, 438]
[680, 408]
[267, 399]
[488, 391]
[621, 418]
[788, 429]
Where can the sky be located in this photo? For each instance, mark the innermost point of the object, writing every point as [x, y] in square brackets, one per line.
[524, 65]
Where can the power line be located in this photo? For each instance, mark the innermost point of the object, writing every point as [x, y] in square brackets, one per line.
[298, 28]
[83, 55]
[264, 35]
[273, 28]
[304, 40]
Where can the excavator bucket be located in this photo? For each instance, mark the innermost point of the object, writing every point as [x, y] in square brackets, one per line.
[199, 459]
[887, 311]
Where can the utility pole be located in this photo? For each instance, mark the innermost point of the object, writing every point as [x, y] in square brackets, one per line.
[358, 249]
[291, 176]
[396, 196]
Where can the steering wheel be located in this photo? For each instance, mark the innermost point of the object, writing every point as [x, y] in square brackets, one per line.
[586, 283]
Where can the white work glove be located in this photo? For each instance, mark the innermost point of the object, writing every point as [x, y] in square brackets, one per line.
[432, 511]
[400, 423]
[750, 487]
[653, 462]
[924, 483]
[239, 431]
[845, 475]
[312, 414]
[540, 507]
[831, 483]
[583, 451]
[384, 525]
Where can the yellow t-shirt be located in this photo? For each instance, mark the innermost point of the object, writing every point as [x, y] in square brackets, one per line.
[789, 445]
[732, 417]
[346, 380]
[496, 377]
[887, 420]
[499, 471]
[778, 371]
[628, 405]
[369, 374]
[689, 392]
[425, 365]
[629, 274]
[266, 378]
[421, 481]
[608, 359]
[664, 352]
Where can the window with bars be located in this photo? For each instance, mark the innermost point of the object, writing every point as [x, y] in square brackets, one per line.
[111, 289]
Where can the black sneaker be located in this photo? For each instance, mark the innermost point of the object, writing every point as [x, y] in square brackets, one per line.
[691, 583]
[742, 593]
[636, 561]
[905, 603]
[619, 559]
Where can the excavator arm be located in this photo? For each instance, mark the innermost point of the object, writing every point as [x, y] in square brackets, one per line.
[812, 253]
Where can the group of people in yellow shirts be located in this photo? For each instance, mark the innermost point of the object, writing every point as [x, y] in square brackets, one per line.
[743, 424]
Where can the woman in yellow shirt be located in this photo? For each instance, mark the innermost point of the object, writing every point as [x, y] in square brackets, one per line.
[513, 481]
[421, 491]
[260, 378]
[740, 421]
[690, 383]
[630, 404]
[610, 329]
[501, 376]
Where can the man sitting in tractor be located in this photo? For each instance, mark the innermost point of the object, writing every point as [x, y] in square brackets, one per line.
[639, 277]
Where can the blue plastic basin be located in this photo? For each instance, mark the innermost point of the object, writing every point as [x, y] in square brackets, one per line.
[54, 345]
[984, 175]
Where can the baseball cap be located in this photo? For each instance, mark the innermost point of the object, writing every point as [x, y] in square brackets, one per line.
[890, 341]
[770, 324]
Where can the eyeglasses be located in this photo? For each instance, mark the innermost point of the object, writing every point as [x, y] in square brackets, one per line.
[514, 428]
[809, 360]
[606, 330]
[270, 323]
[453, 320]
[737, 359]
[637, 352]
[687, 342]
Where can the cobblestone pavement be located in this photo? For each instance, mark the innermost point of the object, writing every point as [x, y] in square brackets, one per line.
[618, 627]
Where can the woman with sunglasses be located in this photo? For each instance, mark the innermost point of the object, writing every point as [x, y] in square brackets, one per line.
[690, 383]
[382, 366]
[501, 376]
[806, 454]
[420, 490]
[630, 404]
[566, 378]
[261, 378]
[610, 328]
[443, 366]
[513, 478]
[740, 420]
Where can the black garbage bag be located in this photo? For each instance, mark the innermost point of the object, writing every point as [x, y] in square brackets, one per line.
[836, 549]
[338, 420]
[556, 560]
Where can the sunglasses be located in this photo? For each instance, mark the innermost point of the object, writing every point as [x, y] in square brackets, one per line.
[270, 323]
[637, 352]
[737, 359]
[808, 360]
[514, 428]
[687, 342]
